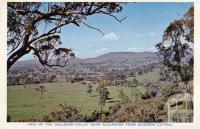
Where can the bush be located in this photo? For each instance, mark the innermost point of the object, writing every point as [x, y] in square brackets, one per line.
[68, 113]
[150, 110]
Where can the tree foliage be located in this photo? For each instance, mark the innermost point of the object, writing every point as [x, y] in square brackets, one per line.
[103, 94]
[42, 90]
[124, 98]
[36, 27]
[89, 89]
[176, 48]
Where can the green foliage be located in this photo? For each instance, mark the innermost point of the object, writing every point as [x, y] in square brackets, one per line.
[163, 74]
[151, 110]
[121, 94]
[89, 89]
[42, 90]
[134, 80]
[67, 113]
[176, 49]
[113, 109]
[103, 94]
[186, 73]
[124, 98]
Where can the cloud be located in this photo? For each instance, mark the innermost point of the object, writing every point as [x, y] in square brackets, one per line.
[149, 49]
[152, 34]
[134, 49]
[139, 35]
[111, 37]
[101, 50]
[142, 35]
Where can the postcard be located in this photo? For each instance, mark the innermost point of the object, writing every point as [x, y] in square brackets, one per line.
[99, 64]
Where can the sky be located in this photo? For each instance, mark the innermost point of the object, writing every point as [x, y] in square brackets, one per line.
[139, 32]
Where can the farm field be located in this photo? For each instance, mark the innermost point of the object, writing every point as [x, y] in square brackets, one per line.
[151, 76]
[26, 102]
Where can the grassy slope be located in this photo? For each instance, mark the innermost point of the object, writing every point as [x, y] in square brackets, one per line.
[150, 76]
[26, 102]
[147, 77]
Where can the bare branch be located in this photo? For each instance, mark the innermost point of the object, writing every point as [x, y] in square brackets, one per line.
[119, 20]
[94, 28]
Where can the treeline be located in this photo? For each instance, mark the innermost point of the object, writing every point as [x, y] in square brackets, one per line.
[30, 79]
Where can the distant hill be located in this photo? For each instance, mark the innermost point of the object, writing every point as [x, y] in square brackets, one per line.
[115, 56]
[109, 61]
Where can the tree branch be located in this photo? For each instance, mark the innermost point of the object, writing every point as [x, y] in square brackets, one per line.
[51, 31]
[94, 28]
[119, 20]
[30, 15]
[37, 54]
[45, 62]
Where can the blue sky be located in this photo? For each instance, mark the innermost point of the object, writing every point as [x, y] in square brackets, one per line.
[140, 31]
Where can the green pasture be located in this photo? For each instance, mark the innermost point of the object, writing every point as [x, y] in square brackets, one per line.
[26, 102]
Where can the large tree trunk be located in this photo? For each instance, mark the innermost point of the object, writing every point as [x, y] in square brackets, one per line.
[17, 55]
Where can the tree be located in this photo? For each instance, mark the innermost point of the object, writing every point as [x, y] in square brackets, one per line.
[176, 48]
[66, 113]
[163, 74]
[124, 98]
[35, 27]
[121, 94]
[89, 89]
[134, 80]
[52, 79]
[42, 90]
[103, 95]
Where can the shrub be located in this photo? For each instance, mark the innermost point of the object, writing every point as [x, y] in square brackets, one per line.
[67, 113]
[89, 89]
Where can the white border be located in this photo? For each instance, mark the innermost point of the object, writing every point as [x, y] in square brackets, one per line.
[3, 71]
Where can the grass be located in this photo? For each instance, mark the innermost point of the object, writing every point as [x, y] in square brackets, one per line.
[151, 76]
[26, 102]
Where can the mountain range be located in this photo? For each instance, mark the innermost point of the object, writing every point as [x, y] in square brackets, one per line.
[108, 61]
